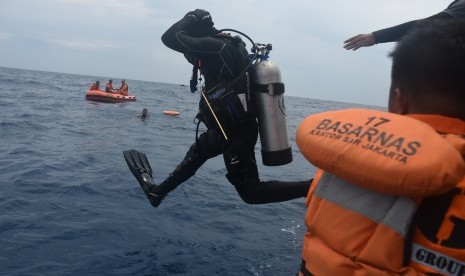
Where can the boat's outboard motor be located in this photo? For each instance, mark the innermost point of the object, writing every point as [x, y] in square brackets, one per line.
[268, 93]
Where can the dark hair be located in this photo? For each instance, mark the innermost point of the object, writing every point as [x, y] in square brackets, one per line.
[431, 59]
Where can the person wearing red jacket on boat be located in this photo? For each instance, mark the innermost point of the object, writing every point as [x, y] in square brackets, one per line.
[124, 88]
[95, 86]
[109, 87]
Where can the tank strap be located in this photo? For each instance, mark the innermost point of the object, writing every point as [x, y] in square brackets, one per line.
[274, 89]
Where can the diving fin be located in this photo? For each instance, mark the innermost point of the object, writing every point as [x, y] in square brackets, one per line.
[141, 169]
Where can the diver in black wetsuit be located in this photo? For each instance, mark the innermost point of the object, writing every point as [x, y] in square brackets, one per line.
[223, 60]
[455, 10]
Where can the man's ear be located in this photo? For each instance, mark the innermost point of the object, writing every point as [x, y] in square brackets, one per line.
[404, 100]
[400, 102]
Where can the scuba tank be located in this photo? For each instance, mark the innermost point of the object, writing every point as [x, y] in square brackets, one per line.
[268, 96]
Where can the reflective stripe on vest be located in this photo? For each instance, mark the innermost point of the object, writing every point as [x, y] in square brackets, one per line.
[394, 212]
[437, 261]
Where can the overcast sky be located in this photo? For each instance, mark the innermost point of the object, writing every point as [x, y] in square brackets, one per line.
[121, 39]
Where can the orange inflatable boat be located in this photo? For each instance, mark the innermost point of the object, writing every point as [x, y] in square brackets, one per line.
[101, 96]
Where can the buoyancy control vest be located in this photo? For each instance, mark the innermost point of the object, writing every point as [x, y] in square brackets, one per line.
[228, 102]
[254, 93]
[375, 167]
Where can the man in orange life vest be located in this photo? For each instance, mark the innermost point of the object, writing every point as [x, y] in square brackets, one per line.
[109, 87]
[359, 227]
[124, 88]
[428, 82]
[95, 86]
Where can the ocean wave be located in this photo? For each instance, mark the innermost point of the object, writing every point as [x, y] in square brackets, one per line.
[72, 207]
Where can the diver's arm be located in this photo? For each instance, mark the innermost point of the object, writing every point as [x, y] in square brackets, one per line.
[395, 33]
[200, 47]
[196, 24]
[206, 48]
[184, 25]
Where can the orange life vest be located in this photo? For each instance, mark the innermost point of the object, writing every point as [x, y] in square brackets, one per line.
[124, 89]
[439, 240]
[109, 88]
[374, 169]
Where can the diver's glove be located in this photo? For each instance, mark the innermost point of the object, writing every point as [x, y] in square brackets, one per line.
[193, 85]
[194, 77]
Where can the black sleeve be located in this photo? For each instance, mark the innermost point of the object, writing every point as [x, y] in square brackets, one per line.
[177, 38]
[397, 32]
[222, 58]
[456, 9]
[169, 37]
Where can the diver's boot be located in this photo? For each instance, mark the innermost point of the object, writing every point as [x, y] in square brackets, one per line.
[187, 168]
[151, 190]
[175, 179]
[141, 169]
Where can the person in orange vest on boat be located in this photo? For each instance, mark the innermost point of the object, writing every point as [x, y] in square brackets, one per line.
[123, 90]
[95, 86]
[109, 87]
[389, 195]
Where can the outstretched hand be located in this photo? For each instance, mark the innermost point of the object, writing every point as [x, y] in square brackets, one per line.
[361, 40]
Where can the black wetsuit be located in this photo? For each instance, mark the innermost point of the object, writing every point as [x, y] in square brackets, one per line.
[455, 10]
[223, 60]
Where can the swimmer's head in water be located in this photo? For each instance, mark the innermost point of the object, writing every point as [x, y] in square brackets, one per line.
[144, 113]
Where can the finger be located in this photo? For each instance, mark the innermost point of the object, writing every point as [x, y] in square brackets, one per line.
[348, 47]
[351, 45]
[352, 39]
[354, 45]
[358, 46]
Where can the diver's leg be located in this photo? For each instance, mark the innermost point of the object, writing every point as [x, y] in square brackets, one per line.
[243, 173]
[207, 146]
[254, 191]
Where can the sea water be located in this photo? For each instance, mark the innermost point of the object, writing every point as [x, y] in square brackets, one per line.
[70, 206]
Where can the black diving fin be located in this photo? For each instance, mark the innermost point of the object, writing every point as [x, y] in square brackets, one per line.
[142, 171]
